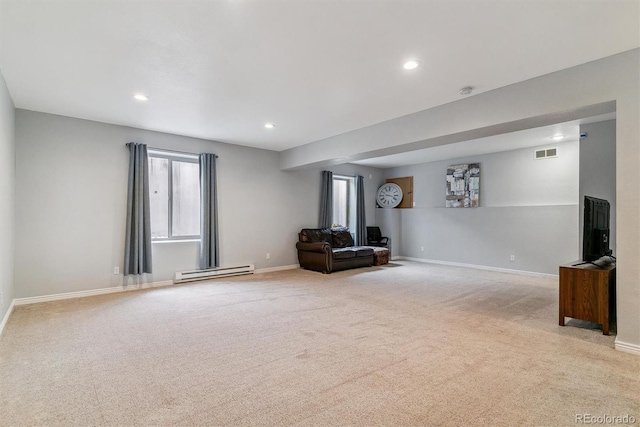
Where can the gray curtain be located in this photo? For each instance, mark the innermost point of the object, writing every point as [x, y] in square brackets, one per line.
[209, 252]
[137, 251]
[326, 200]
[361, 221]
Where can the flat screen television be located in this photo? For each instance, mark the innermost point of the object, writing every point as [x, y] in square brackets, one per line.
[595, 237]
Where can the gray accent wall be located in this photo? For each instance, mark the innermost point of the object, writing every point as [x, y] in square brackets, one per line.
[528, 208]
[71, 197]
[598, 87]
[598, 170]
[7, 198]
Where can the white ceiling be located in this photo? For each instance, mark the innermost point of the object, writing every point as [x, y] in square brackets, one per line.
[221, 69]
[536, 137]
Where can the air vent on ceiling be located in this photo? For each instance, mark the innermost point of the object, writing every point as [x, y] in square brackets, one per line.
[545, 153]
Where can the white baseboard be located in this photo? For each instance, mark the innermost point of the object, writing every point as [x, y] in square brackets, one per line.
[111, 290]
[280, 268]
[627, 347]
[124, 288]
[478, 267]
[89, 293]
[6, 316]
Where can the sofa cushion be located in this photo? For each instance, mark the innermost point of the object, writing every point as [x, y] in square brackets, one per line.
[315, 235]
[363, 251]
[341, 237]
[343, 253]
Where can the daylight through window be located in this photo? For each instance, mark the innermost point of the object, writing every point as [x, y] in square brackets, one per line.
[344, 202]
[174, 196]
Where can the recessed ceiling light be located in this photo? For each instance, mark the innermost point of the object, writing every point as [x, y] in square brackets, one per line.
[410, 65]
[141, 97]
[269, 125]
[557, 137]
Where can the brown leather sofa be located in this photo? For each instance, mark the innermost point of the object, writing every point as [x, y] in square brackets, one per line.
[327, 250]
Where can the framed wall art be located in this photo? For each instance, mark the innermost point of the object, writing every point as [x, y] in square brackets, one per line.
[463, 186]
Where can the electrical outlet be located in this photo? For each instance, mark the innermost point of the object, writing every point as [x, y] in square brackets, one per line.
[268, 255]
[414, 204]
[421, 248]
[512, 258]
[116, 270]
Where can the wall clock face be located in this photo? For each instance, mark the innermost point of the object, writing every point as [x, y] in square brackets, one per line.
[389, 195]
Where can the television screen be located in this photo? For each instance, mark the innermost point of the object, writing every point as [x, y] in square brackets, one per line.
[595, 239]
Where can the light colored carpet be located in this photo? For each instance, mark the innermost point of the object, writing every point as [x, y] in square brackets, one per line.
[402, 344]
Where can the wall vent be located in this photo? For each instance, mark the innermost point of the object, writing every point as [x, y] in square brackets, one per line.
[545, 153]
[212, 273]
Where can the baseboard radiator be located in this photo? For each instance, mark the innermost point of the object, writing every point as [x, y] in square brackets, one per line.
[213, 273]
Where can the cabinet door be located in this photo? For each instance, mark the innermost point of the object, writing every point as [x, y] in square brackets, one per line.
[406, 184]
[586, 293]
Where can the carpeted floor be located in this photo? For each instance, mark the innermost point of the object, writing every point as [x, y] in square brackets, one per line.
[403, 344]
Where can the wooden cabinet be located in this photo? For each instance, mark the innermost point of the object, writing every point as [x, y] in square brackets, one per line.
[406, 183]
[588, 292]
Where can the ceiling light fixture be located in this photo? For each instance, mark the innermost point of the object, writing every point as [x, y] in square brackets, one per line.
[141, 97]
[410, 65]
[557, 137]
[269, 125]
[466, 90]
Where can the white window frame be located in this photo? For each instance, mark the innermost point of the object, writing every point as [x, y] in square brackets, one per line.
[171, 157]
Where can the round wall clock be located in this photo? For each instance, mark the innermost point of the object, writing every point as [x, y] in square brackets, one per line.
[389, 195]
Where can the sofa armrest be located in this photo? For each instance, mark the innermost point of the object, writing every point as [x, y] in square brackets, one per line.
[315, 256]
[314, 247]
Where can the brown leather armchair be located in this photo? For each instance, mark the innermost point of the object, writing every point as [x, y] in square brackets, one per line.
[327, 250]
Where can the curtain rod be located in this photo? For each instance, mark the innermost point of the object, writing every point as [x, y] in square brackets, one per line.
[170, 151]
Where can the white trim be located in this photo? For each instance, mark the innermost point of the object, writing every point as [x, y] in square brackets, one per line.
[124, 288]
[89, 293]
[344, 177]
[280, 268]
[115, 289]
[6, 316]
[163, 241]
[627, 347]
[165, 154]
[478, 267]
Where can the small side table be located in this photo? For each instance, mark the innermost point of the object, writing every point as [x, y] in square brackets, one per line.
[588, 292]
[380, 256]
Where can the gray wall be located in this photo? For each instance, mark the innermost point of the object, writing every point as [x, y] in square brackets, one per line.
[528, 208]
[71, 196]
[7, 197]
[598, 170]
[71, 179]
[586, 90]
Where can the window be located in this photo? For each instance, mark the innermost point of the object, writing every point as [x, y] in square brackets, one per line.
[344, 202]
[174, 196]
